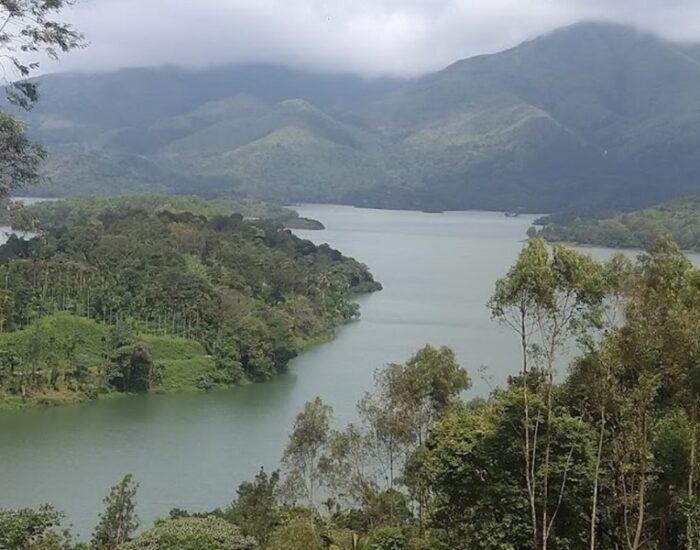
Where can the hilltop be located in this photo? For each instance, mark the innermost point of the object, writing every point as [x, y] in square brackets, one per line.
[593, 115]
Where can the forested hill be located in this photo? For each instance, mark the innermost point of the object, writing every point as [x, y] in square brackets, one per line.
[47, 214]
[679, 219]
[594, 115]
[122, 299]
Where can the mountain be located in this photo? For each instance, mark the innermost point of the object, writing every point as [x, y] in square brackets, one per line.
[217, 131]
[593, 115]
[591, 112]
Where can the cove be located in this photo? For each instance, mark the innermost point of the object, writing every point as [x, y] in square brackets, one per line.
[192, 450]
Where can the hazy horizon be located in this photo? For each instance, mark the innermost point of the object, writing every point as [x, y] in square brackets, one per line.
[377, 38]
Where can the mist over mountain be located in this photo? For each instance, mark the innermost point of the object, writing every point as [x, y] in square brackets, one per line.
[590, 115]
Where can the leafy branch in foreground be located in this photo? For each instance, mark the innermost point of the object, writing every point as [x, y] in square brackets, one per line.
[27, 28]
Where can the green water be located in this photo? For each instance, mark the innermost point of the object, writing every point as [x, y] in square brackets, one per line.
[192, 450]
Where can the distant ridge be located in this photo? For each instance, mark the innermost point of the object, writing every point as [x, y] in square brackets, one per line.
[594, 115]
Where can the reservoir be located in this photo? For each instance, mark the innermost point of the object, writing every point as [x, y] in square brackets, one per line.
[192, 450]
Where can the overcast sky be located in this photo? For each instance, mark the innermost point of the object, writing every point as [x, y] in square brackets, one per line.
[369, 37]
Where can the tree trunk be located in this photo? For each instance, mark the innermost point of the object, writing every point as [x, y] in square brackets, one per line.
[596, 478]
[690, 527]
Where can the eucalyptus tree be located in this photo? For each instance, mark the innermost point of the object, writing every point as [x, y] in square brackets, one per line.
[656, 362]
[473, 463]
[119, 521]
[302, 460]
[547, 298]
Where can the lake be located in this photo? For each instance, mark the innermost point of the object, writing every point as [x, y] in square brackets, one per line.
[192, 450]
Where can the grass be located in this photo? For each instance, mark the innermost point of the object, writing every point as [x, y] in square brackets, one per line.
[183, 362]
[60, 328]
[183, 374]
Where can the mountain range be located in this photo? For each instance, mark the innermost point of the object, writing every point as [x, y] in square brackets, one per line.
[590, 116]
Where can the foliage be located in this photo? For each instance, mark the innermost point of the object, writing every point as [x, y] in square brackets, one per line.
[249, 292]
[300, 532]
[50, 214]
[32, 530]
[302, 459]
[476, 468]
[192, 533]
[119, 520]
[255, 510]
[679, 219]
[27, 28]
[388, 538]
[20, 158]
[606, 457]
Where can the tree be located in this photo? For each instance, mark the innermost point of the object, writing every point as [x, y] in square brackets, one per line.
[192, 533]
[389, 538]
[119, 520]
[407, 400]
[546, 299]
[299, 532]
[303, 455]
[422, 390]
[387, 436]
[475, 468]
[32, 530]
[639, 385]
[132, 369]
[429, 384]
[27, 28]
[20, 158]
[255, 510]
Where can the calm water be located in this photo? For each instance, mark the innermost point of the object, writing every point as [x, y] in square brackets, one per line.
[192, 450]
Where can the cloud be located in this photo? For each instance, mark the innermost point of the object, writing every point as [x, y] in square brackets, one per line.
[368, 37]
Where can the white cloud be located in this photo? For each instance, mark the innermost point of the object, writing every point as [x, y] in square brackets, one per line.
[370, 37]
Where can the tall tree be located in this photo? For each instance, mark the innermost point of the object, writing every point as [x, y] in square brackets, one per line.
[546, 298]
[119, 520]
[303, 456]
[255, 510]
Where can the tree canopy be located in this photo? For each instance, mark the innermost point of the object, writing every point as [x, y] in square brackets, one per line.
[248, 293]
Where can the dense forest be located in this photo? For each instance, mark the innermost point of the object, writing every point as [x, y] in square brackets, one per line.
[680, 219]
[125, 295]
[603, 457]
[53, 213]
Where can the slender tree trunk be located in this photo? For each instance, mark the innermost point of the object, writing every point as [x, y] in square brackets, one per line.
[690, 527]
[596, 478]
[547, 455]
[641, 500]
[529, 470]
[523, 338]
[528, 450]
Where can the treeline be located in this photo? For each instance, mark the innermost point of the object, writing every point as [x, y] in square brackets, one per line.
[250, 292]
[48, 214]
[605, 457]
[679, 219]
